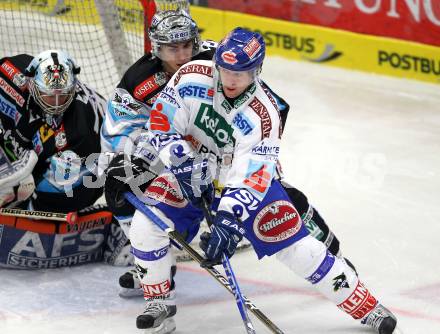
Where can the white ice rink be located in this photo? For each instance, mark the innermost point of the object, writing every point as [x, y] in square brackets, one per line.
[366, 151]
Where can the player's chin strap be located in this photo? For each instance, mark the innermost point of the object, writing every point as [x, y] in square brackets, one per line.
[174, 235]
[231, 277]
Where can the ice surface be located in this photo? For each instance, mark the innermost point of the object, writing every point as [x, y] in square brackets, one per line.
[366, 151]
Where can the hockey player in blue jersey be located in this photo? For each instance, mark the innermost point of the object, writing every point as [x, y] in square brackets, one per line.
[196, 130]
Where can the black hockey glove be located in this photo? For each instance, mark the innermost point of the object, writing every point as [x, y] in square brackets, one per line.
[195, 180]
[225, 235]
[125, 174]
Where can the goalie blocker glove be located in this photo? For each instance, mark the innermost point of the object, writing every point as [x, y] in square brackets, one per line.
[16, 180]
[225, 235]
[125, 174]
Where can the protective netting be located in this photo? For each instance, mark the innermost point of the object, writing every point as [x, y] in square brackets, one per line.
[171, 5]
[103, 36]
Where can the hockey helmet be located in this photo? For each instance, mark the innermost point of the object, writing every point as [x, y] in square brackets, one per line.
[52, 81]
[173, 26]
[241, 50]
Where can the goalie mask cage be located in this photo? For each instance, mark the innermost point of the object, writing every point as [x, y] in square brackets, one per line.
[103, 36]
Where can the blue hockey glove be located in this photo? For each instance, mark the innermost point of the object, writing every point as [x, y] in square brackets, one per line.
[225, 235]
[195, 180]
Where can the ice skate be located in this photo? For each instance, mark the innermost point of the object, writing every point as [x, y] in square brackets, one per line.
[157, 318]
[130, 285]
[381, 319]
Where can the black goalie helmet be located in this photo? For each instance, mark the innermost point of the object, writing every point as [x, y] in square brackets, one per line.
[173, 26]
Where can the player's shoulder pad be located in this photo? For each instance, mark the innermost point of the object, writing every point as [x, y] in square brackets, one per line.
[281, 104]
[145, 79]
[86, 94]
[88, 101]
[124, 106]
[143, 68]
[196, 67]
[20, 61]
[13, 68]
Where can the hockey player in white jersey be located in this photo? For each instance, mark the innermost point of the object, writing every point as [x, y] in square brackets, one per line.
[215, 124]
[175, 41]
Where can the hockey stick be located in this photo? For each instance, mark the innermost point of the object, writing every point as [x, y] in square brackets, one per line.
[70, 217]
[231, 278]
[174, 235]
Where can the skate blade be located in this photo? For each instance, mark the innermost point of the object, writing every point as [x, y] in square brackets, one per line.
[130, 293]
[167, 326]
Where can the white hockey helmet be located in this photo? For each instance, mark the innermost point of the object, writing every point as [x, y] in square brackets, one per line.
[52, 81]
[173, 26]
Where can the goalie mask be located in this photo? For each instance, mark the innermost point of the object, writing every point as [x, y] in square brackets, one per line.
[172, 27]
[52, 81]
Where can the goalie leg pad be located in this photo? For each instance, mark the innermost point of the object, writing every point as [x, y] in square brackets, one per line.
[124, 223]
[7, 195]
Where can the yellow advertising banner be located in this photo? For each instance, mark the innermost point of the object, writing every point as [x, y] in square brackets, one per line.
[328, 46]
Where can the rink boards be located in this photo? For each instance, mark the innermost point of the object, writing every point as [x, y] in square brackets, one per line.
[332, 47]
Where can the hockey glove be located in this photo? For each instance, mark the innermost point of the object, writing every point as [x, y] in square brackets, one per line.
[195, 180]
[125, 174]
[16, 180]
[225, 235]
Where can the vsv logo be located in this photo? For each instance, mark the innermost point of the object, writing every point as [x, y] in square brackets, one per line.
[214, 125]
[150, 256]
[161, 252]
[242, 202]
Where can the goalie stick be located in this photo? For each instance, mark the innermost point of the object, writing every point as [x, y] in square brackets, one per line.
[231, 278]
[174, 235]
[70, 217]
